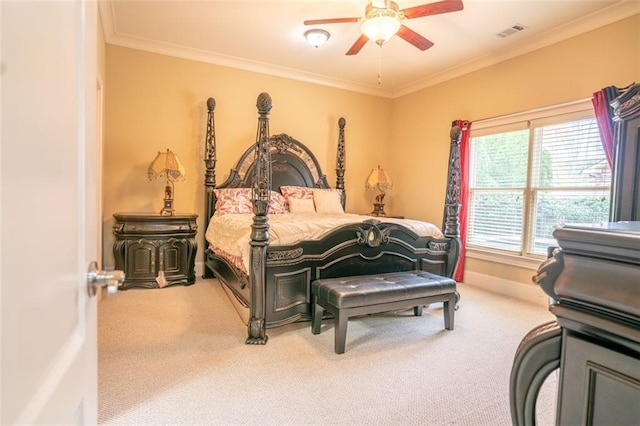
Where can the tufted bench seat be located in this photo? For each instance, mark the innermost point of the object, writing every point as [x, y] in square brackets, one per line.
[367, 294]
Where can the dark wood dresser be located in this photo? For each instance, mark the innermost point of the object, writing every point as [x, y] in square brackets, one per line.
[593, 280]
[155, 251]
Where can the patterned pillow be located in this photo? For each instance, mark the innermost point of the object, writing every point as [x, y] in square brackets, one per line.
[327, 201]
[233, 200]
[238, 200]
[302, 191]
[277, 203]
[296, 192]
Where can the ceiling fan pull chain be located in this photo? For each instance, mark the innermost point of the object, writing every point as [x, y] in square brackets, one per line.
[380, 65]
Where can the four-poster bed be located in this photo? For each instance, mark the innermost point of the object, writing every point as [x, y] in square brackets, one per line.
[271, 273]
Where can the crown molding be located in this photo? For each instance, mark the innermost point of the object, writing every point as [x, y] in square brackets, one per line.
[614, 13]
[105, 12]
[112, 36]
[242, 64]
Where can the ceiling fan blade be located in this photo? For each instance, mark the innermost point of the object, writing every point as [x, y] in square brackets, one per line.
[360, 42]
[414, 38]
[330, 21]
[436, 8]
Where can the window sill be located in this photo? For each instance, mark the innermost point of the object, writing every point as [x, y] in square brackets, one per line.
[529, 262]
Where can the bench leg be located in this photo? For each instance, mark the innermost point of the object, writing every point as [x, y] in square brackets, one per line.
[417, 310]
[316, 316]
[340, 331]
[449, 308]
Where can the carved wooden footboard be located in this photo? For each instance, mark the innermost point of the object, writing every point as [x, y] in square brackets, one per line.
[369, 247]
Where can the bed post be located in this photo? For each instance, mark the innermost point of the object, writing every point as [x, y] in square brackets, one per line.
[340, 162]
[452, 201]
[260, 226]
[209, 177]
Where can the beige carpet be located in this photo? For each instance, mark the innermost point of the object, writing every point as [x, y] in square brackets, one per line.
[176, 356]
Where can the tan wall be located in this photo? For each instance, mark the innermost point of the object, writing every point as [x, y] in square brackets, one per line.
[567, 71]
[155, 102]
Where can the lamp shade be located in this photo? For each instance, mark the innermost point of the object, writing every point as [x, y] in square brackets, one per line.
[378, 179]
[167, 164]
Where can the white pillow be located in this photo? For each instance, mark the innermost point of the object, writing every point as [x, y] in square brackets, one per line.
[301, 205]
[327, 201]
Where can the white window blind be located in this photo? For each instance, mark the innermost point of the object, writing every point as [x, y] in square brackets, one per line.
[525, 183]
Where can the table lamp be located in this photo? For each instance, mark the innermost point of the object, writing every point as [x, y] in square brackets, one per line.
[379, 179]
[167, 164]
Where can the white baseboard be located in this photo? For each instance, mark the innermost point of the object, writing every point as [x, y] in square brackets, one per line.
[199, 268]
[527, 293]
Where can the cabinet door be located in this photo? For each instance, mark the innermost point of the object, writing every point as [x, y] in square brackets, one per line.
[173, 258]
[140, 260]
[600, 385]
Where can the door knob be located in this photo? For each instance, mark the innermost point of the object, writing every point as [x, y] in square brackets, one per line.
[97, 279]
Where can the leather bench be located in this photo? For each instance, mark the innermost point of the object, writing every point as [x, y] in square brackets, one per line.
[346, 297]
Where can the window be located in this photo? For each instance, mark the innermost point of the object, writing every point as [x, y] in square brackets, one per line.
[530, 175]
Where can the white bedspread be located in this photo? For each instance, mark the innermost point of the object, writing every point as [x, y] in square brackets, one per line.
[232, 232]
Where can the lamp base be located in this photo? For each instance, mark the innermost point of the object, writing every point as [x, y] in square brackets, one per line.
[167, 210]
[378, 210]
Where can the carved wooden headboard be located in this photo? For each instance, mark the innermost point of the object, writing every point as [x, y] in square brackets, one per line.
[292, 163]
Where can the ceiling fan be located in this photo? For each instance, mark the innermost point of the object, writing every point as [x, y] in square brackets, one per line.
[383, 18]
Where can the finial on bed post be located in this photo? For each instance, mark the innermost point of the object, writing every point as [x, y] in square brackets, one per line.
[452, 201]
[262, 171]
[260, 227]
[340, 162]
[209, 174]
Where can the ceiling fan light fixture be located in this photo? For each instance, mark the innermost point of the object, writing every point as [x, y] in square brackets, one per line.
[383, 23]
[316, 37]
[380, 29]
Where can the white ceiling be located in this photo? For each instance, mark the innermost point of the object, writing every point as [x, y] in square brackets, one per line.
[267, 36]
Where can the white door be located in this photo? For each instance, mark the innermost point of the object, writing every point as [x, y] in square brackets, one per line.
[49, 222]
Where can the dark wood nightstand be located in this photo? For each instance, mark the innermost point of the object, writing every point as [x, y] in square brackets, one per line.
[148, 244]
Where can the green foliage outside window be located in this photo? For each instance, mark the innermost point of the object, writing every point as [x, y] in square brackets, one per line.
[567, 182]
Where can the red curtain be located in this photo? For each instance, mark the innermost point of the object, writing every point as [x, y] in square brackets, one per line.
[604, 116]
[465, 126]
